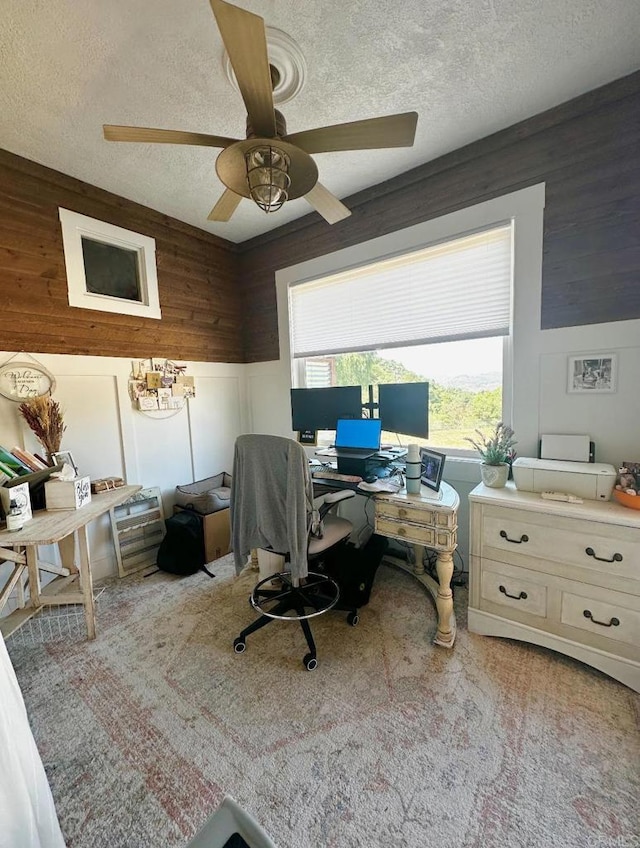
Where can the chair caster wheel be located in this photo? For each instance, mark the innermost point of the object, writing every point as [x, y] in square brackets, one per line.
[353, 618]
[310, 662]
[239, 645]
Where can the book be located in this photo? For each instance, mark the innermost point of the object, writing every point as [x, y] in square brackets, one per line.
[28, 459]
[15, 464]
[8, 472]
[104, 484]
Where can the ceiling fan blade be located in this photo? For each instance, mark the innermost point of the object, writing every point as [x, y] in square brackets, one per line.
[327, 204]
[225, 207]
[389, 131]
[146, 134]
[244, 37]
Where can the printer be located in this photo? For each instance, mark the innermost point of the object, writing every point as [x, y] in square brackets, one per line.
[591, 480]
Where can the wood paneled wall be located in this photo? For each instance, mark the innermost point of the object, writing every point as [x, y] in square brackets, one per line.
[197, 276]
[587, 151]
[218, 299]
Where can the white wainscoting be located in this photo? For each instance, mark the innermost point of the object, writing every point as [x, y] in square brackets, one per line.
[107, 435]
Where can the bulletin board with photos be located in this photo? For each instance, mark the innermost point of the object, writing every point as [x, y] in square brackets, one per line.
[160, 384]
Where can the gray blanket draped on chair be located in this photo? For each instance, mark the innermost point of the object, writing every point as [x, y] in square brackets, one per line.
[271, 499]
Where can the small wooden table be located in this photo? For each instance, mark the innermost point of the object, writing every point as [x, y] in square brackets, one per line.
[426, 521]
[73, 584]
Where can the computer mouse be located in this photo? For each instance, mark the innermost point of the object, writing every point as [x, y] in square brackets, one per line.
[370, 478]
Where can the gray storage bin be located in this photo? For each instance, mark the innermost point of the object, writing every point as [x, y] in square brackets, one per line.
[206, 496]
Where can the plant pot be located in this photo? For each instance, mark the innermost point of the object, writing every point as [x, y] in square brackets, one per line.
[494, 476]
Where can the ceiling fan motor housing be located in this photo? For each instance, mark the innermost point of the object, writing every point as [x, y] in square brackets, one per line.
[281, 126]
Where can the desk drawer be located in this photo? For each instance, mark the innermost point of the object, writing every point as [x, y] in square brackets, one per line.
[602, 548]
[414, 533]
[416, 509]
[405, 512]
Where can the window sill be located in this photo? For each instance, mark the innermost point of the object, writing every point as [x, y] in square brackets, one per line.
[462, 469]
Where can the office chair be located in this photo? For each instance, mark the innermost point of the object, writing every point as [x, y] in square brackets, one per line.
[231, 827]
[273, 508]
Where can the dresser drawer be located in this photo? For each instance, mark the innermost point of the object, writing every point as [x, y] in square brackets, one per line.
[608, 549]
[602, 618]
[414, 533]
[514, 588]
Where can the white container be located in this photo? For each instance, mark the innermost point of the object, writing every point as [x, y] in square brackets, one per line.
[592, 480]
[413, 470]
[67, 494]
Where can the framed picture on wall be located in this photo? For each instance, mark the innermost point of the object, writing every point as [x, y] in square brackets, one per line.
[592, 373]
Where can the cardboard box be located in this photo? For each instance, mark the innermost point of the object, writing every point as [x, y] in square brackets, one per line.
[217, 534]
[67, 494]
[216, 527]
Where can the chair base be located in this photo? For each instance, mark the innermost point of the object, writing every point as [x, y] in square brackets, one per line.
[293, 603]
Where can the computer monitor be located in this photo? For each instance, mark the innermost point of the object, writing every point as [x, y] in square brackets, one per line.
[319, 409]
[360, 434]
[404, 408]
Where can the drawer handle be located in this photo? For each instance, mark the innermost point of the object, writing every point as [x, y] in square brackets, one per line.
[523, 538]
[590, 552]
[402, 513]
[521, 597]
[402, 531]
[613, 623]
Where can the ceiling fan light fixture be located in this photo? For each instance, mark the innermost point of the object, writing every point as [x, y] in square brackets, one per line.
[268, 176]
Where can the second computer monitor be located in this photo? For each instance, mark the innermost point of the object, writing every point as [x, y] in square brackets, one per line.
[319, 409]
[404, 408]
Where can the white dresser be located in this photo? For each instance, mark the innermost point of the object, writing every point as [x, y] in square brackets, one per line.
[562, 575]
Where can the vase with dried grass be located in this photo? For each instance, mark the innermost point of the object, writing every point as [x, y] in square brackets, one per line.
[44, 417]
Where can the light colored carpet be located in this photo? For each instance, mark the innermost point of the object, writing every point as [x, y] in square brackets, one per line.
[390, 742]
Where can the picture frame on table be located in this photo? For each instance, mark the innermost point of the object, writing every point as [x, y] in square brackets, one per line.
[592, 373]
[65, 457]
[432, 466]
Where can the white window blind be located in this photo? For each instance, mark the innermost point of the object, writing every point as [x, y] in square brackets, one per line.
[459, 289]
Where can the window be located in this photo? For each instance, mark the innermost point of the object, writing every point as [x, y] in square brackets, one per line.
[440, 314]
[109, 268]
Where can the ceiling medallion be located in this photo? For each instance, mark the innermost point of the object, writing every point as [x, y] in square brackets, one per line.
[287, 58]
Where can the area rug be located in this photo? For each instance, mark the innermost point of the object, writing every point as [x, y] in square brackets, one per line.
[390, 742]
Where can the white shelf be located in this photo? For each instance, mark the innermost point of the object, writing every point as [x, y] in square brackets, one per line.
[138, 529]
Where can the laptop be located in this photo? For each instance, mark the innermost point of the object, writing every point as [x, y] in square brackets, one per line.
[357, 437]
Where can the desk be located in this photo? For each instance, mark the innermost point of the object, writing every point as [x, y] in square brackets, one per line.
[425, 523]
[73, 584]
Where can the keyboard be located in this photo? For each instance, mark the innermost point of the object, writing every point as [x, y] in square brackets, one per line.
[355, 453]
[333, 475]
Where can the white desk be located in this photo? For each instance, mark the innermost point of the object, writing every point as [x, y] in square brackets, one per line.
[425, 523]
[73, 585]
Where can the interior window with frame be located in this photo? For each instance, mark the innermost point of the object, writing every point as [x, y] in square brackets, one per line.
[453, 334]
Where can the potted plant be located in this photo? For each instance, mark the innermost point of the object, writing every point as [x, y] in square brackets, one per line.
[497, 452]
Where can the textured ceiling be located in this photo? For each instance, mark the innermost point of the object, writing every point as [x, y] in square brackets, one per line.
[468, 67]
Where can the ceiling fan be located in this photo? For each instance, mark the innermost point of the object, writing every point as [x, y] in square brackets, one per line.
[271, 166]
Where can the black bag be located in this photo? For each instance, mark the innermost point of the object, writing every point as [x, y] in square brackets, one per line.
[182, 549]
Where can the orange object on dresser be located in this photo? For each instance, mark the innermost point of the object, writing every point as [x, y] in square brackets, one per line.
[632, 501]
